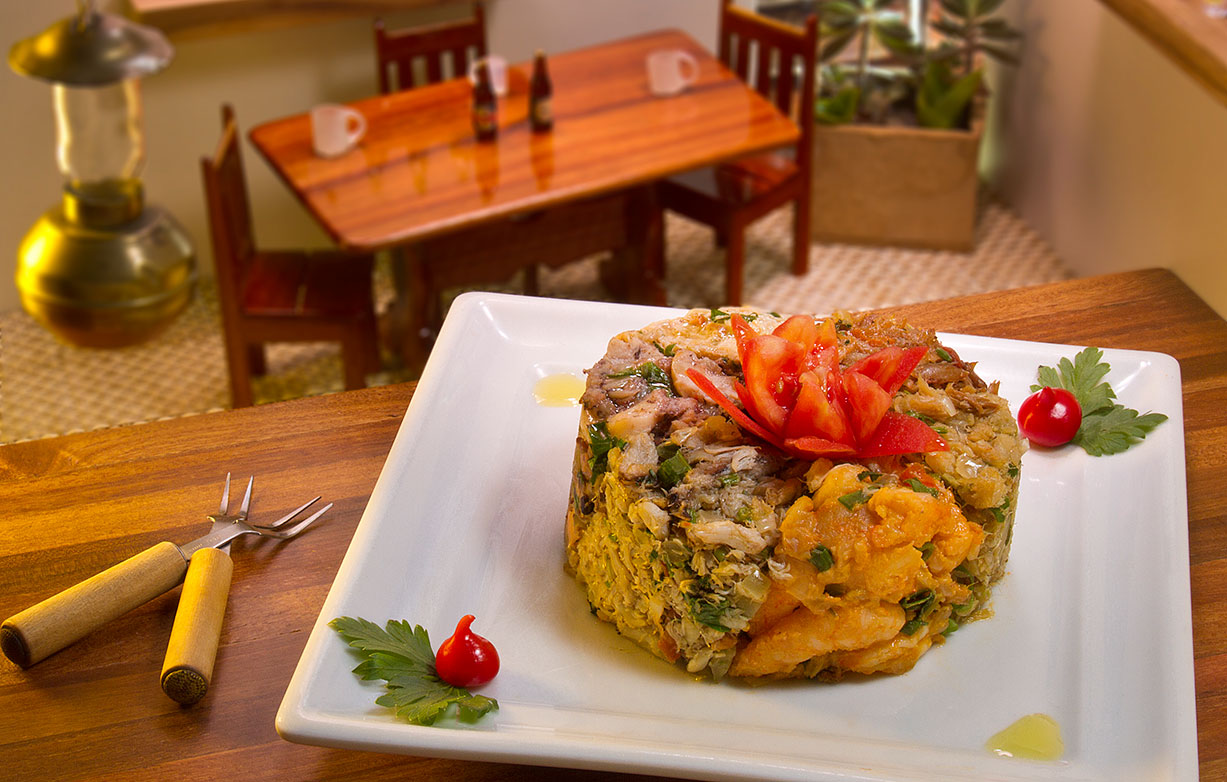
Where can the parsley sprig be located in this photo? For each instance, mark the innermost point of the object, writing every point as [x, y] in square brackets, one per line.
[401, 656]
[1107, 426]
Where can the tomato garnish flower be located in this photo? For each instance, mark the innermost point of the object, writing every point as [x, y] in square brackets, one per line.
[1050, 417]
[797, 397]
[466, 659]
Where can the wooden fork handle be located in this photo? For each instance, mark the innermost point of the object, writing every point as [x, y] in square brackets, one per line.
[188, 667]
[62, 619]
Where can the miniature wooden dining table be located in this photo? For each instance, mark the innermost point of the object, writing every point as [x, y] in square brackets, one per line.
[420, 173]
[77, 504]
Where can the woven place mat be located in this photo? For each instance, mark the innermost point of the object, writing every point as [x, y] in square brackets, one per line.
[47, 388]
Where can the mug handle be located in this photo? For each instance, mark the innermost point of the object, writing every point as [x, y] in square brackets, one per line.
[687, 61]
[354, 136]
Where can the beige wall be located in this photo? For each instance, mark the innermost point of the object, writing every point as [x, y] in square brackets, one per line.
[265, 75]
[1108, 150]
[1116, 157]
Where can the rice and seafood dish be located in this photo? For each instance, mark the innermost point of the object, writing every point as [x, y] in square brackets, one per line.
[759, 496]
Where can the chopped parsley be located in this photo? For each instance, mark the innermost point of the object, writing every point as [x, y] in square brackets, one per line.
[917, 486]
[653, 375]
[1107, 427]
[719, 316]
[852, 499]
[708, 614]
[401, 656]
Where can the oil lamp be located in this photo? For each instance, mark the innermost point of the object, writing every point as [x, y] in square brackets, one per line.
[102, 268]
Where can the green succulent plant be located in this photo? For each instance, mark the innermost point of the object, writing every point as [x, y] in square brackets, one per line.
[936, 81]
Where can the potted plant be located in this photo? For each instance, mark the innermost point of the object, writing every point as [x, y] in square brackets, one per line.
[900, 118]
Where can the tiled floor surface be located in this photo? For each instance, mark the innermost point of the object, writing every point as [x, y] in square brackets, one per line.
[47, 388]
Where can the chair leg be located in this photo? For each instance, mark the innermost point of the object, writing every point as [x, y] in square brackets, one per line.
[355, 351]
[532, 285]
[257, 360]
[734, 263]
[238, 361]
[801, 242]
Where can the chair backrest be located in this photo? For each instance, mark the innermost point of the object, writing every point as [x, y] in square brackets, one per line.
[776, 59]
[229, 214]
[397, 52]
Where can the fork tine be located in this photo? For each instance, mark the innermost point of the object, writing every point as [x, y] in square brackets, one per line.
[225, 496]
[300, 526]
[288, 516]
[246, 500]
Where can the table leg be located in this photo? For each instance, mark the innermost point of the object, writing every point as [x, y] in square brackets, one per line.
[636, 271]
[408, 322]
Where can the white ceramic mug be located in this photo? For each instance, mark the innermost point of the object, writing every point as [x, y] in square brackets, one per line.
[335, 129]
[498, 72]
[670, 71]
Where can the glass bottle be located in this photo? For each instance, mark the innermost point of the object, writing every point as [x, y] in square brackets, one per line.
[540, 96]
[485, 107]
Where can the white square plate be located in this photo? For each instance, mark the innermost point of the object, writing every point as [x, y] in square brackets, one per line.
[1092, 623]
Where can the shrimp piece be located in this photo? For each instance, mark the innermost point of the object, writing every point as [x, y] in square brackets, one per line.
[803, 634]
[778, 604]
[894, 655]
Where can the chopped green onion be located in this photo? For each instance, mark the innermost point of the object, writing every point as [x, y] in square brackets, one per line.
[943, 355]
[911, 626]
[822, 559]
[730, 479]
[672, 470]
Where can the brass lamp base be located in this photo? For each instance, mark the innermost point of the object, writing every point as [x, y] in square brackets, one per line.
[105, 287]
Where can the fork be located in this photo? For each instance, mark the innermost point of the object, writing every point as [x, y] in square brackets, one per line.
[187, 670]
[64, 618]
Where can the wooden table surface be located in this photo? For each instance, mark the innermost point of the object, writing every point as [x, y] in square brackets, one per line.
[77, 504]
[419, 172]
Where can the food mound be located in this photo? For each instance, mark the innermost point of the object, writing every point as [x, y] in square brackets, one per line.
[762, 497]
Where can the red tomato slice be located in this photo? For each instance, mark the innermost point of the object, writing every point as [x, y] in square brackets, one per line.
[890, 366]
[815, 447]
[743, 333]
[899, 433]
[770, 367]
[726, 404]
[867, 403]
[817, 412]
[799, 329]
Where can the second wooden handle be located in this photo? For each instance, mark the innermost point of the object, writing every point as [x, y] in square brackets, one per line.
[59, 620]
[188, 667]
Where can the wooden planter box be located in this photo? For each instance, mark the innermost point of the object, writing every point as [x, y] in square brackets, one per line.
[900, 186]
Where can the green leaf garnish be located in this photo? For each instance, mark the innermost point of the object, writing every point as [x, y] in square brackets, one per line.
[401, 656]
[1083, 378]
[1107, 427]
[917, 486]
[1115, 430]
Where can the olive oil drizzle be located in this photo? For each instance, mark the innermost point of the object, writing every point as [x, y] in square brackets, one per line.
[560, 390]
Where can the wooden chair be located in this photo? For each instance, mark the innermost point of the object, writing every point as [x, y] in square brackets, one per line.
[765, 54]
[455, 43]
[280, 296]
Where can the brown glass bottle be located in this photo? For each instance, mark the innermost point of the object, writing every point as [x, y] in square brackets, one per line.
[485, 106]
[540, 96]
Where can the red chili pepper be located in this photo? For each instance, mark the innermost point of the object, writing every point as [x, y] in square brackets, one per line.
[466, 659]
